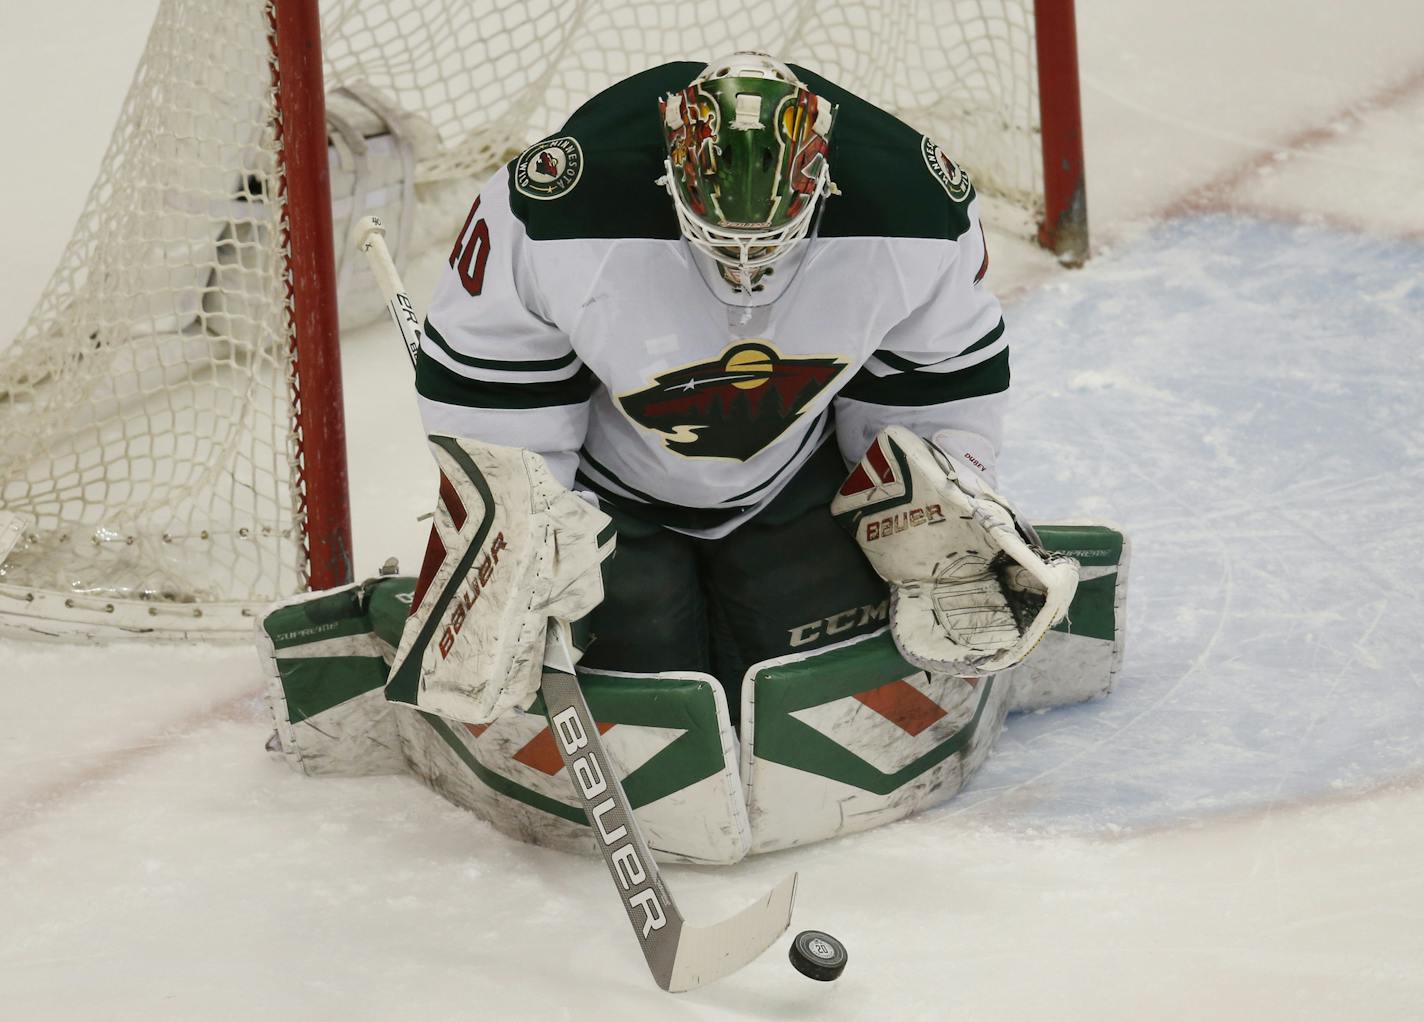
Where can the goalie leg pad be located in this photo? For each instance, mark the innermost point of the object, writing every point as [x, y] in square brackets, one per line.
[852, 737]
[326, 667]
[1080, 657]
[834, 741]
[668, 736]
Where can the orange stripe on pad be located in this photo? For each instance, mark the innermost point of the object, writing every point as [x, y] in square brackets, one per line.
[543, 755]
[903, 705]
[477, 729]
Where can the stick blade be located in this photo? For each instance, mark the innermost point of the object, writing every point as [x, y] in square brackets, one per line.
[707, 953]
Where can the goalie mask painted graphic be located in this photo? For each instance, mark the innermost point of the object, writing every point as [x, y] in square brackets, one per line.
[746, 162]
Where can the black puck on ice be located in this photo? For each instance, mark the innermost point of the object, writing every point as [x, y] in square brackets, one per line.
[818, 955]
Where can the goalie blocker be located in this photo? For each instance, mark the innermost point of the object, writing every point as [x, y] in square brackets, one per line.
[509, 549]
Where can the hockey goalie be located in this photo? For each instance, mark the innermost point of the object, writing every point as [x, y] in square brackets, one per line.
[714, 378]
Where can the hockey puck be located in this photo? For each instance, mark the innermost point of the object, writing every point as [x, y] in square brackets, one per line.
[818, 955]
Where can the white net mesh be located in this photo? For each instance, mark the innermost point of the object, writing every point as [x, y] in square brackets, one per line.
[146, 434]
[144, 422]
[494, 77]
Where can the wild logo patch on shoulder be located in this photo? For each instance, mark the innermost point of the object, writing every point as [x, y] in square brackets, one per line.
[548, 169]
[951, 175]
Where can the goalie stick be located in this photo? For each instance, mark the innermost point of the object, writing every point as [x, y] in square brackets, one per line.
[680, 957]
[371, 239]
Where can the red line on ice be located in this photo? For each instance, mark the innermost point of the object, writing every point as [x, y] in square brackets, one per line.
[1215, 194]
[26, 807]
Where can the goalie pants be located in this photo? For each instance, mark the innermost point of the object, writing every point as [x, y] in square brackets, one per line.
[788, 581]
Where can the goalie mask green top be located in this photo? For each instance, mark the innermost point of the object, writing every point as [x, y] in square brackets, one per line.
[746, 161]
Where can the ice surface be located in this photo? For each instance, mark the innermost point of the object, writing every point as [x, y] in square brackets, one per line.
[1237, 379]
[1244, 398]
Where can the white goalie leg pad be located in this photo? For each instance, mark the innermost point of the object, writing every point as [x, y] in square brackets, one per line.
[510, 548]
[972, 590]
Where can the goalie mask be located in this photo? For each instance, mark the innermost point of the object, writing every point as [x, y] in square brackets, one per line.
[746, 162]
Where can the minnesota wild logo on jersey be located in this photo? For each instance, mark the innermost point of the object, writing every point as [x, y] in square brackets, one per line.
[953, 177]
[548, 169]
[733, 406]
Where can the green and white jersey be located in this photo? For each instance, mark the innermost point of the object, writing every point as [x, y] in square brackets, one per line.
[574, 320]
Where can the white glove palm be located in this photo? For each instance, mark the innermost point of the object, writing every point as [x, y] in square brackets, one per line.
[972, 590]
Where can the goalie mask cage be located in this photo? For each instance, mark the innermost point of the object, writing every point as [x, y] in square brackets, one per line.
[172, 455]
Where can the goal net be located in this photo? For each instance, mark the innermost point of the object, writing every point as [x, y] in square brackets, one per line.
[163, 437]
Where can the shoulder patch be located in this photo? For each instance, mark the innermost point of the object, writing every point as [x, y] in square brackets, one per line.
[549, 169]
[953, 177]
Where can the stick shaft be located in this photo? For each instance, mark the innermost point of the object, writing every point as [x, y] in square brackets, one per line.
[679, 956]
[371, 239]
[654, 916]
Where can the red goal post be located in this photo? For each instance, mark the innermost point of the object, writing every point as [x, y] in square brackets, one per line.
[1063, 227]
[311, 288]
[172, 451]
